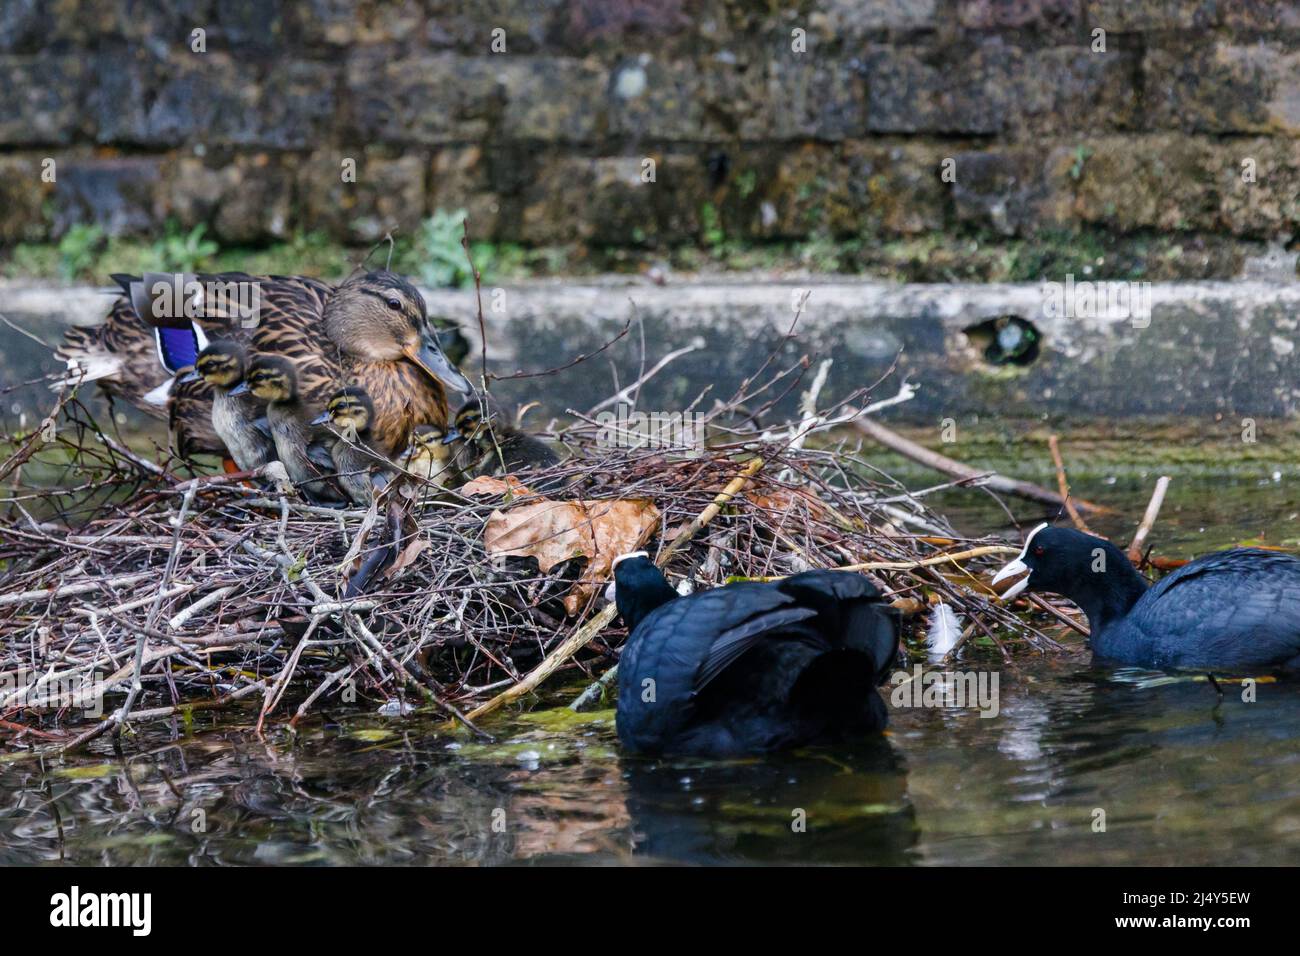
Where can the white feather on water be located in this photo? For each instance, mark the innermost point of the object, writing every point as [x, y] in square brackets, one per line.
[943, 632]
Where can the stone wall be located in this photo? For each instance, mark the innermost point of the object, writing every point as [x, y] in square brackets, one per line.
[545, 142]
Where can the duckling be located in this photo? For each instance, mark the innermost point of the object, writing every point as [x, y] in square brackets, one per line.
[431, 457]
[373, 329]
[493, 447]
[361, 469]
[239, 420]
[302, 447]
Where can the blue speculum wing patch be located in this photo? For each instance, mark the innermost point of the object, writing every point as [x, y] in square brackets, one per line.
[177, 348]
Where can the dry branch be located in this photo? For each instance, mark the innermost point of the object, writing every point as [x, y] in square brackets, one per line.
[1148, 519]
[931, 459]
[1053, 443]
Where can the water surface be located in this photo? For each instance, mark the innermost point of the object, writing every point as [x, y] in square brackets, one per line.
[1181, 776]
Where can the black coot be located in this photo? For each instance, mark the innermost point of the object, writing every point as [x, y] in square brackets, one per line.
[1235, 610]
[749, 667]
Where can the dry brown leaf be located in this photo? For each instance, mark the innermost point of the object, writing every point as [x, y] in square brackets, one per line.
[486, 486]
[556, 531]
[414, 548]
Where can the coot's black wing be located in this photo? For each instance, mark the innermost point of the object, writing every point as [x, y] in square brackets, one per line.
[851, 613]
[664, 658]
[684, 645]
[730, 644]
[1238, 608]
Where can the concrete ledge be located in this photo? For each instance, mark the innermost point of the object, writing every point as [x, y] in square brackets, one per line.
[1207, 349]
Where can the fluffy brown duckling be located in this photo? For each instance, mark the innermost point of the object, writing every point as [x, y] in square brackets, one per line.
[429, 457]
[303, 448]
[432, 457]
[239, 420]
[361, 467]
[494, 447]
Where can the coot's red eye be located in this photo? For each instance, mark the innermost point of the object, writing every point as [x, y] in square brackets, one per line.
[1038, 550]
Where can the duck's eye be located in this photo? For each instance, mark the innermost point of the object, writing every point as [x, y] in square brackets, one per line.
[395, 305]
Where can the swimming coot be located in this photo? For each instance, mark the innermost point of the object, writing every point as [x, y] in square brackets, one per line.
[1235, 610]
[749, 667]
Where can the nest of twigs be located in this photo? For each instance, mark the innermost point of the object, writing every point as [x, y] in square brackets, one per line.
[132, 591]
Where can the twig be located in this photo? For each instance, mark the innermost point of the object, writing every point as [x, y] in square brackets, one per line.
[931, 562]
[155, 713]
[1000, 483]
[1148, 519]
[119, 719]
[595, 691]
[735, 487]
[202, 604]
[627, 327]
[132, 457]
[72, 590]
[624, 394]
[1061, 482]
[478, 294]
[1060, 615]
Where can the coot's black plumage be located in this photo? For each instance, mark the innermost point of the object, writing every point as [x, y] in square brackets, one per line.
[750, 667]
[1235, 610]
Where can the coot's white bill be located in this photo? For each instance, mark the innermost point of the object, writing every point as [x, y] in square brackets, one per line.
[1017, 566]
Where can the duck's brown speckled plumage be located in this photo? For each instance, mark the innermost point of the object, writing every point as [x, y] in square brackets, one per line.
[189, 418]
[125, 342]
[404, 397]
[292, 323]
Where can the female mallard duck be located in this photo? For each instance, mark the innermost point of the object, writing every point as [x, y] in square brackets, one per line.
[372, 329]
[493, 447]
[238, 420]
[361, 468]
[303, 448]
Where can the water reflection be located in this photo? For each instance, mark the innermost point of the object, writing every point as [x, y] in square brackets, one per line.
[1182, 777]
[813, 806]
